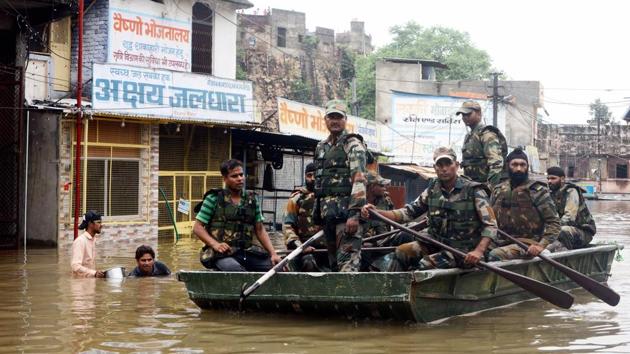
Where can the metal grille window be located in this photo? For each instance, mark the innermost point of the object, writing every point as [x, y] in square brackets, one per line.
[202, 39]
[116, 159]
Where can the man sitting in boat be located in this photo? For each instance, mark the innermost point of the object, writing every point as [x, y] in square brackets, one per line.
[227, 221]
[459, 214]
[577, 226]
[525, 210]
[298, 226]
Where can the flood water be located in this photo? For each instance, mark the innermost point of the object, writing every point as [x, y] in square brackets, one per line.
[44, 310]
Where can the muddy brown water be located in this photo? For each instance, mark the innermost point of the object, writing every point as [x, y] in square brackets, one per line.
[44, 310]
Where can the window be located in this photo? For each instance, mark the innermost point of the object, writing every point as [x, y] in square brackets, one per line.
[202, 39]
[113, 170]
[300, 38]
[571, 172]
[282, 37]
[622, 171]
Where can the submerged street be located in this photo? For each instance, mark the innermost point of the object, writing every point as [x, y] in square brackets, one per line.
[44, 309]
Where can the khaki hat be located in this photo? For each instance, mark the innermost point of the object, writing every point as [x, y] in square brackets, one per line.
[336, 106]
[375, 178]
[468, 106]
[444, 152]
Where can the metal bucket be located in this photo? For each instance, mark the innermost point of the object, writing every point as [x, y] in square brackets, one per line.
[115, 273]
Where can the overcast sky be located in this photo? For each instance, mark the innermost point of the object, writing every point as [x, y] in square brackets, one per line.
[578, 50]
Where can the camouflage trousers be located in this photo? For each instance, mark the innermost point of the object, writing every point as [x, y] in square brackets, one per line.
[511, 251]
[573, 237]
[414, 255]
[344, 251]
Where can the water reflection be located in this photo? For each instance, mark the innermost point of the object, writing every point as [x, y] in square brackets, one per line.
[43, 309]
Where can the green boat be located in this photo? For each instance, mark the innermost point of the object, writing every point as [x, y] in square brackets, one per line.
[420, 296]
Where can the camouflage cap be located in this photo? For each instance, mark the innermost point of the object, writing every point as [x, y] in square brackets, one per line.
[375, 178]
[336, 106]
[444, 152]
[468, 106]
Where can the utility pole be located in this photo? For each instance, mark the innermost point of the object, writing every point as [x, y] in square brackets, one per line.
[495, 98]
[599, 158]
[355, 108]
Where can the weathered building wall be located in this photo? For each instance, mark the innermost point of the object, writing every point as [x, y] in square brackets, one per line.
[356, 39]
[573, 147]
[43, 184]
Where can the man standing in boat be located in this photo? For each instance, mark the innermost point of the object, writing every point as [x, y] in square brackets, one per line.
[227, 221]
[484, 149]
[525, 210]
[577, 225]
[298, 225]
[459, 214]
[340, 189]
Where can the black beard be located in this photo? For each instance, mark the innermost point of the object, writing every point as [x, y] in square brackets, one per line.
[517, 178]
[554, 187]
[310, 186]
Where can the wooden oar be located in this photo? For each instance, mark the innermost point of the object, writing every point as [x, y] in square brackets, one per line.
[547, 292]
[246, 292]
[419, 226]
[603, 292]
[363, 249]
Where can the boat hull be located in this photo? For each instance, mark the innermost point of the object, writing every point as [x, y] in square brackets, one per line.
[421, 296]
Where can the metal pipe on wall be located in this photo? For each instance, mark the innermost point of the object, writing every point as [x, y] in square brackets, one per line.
[77, 162]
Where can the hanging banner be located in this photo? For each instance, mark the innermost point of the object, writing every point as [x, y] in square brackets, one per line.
[422, 123]
[170, 94]
[305, 120]
[150, 34]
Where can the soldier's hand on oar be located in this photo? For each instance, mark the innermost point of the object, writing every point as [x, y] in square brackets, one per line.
[534, 250]
[473, 257]
[365, 210]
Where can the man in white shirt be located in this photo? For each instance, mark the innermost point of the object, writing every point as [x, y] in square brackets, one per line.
[83, 248]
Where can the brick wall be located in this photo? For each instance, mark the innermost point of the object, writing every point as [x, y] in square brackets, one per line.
[94, 42]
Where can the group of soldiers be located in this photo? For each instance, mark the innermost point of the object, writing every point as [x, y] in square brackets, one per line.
[465, 211]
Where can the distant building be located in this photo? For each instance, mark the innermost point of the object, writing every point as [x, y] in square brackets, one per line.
[356, 39]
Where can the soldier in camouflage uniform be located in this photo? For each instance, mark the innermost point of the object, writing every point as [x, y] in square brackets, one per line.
[577, 226]
[459, 215]
[525, 210]
[484, 147]
[340, 189]
[227, 222]
[298, 226]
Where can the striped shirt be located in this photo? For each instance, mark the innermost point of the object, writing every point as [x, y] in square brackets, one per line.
[206, 213]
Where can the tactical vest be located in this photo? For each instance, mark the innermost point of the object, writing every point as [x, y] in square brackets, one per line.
[515, 210]
[305, 204]
[456, 222]
[332, 177]
[584, 219]
[233, 224]
[474, 160]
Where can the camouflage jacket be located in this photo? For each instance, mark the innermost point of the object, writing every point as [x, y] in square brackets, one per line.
[375, 227]
[526, 211]
[298, 220]
[572, 208]
[345, 171]
[483, 154]
[443, 207]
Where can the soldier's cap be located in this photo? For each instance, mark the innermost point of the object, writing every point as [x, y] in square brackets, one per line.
[336, 106]
[311, 167]
[90, 216]
[375, 178]
[444, 152]
[468, 106]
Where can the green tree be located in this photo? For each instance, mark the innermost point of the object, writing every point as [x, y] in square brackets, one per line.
[446, 45]
[599, 112]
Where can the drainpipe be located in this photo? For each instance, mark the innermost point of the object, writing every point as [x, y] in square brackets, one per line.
[77, 162]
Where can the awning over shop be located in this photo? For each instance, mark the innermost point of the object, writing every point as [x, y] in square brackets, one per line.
[288, 144]
[413, 169]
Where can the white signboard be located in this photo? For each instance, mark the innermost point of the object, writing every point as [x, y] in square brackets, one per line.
[183, 206]
[150, 34]
[305, 120]
[175, 95]
[422, 123]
